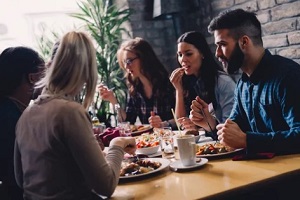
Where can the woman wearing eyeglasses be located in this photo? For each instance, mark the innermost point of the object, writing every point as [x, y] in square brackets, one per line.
[150, 94]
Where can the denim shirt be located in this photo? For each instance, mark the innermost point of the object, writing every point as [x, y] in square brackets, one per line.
[267, 106]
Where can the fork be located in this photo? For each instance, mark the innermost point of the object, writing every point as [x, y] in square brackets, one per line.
[207, 122]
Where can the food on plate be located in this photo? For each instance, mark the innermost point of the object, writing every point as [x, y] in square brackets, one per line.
[138, 167]
[212, 148]
[192, 132]
[147, 140]
[135, 128]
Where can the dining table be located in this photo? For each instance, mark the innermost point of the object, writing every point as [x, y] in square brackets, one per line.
[219, 178]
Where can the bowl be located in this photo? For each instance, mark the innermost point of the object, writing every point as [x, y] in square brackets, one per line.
[147, 150]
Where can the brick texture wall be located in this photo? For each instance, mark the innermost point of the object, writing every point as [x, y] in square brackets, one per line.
[280, 21]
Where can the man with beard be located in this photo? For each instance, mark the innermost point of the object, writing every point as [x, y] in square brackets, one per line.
[20, 68]
[266, 112]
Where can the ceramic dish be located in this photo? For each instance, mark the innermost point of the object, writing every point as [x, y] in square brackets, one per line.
[146, 128]
[164, 164]
[215, 154]
[177, 165]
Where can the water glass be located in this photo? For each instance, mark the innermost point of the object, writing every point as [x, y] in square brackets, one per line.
[167, 142]
[124, 128]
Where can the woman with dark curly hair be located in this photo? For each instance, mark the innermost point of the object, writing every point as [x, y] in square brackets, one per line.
[150, 94]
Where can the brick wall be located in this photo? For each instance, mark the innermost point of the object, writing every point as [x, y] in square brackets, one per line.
[280, 21]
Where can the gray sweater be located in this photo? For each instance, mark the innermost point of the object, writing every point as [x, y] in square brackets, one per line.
[57, 155]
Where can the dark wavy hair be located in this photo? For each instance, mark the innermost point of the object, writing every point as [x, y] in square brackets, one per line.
[208, 70]
[151, 67]
[16, 62]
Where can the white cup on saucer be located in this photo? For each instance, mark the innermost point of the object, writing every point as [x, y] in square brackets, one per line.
[187, 149]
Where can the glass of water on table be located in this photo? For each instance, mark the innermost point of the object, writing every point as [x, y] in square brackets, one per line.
[124, 128]
[167, 142]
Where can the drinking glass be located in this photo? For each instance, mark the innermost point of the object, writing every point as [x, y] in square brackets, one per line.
[167, 142]
[124, 128]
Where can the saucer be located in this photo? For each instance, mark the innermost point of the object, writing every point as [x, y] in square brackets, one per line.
[177, 165]
[158, 153]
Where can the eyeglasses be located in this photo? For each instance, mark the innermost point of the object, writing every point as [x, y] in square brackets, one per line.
[129, 61]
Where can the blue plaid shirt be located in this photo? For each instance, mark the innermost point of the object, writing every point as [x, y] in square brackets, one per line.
[140, 106]
[267, 106]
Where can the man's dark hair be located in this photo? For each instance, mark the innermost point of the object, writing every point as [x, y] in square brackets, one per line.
[239, 22]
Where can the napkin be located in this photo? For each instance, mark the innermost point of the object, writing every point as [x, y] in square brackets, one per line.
[108, 135]
[255, 156]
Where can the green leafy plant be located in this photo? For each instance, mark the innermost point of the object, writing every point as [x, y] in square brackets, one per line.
[46, 41]
[104, 21]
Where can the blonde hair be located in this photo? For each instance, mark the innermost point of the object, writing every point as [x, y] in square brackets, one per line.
[74, 66]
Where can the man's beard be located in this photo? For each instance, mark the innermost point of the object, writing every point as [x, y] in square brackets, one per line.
[236, 60]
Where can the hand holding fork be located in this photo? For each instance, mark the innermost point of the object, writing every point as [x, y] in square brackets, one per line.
[200, 116]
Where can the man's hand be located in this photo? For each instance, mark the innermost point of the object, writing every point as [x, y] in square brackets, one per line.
[231, 135]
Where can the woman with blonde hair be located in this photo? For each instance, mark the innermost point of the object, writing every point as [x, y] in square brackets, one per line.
[56, 153]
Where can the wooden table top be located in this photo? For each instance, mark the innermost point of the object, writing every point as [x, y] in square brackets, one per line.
[215, 178]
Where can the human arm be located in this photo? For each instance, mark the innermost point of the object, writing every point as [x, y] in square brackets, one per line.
[199, 108]
[231, 135]
[155, 120]
[272, 122]
[176, 80]
[187, 124]
[108, 95]
[101, 174]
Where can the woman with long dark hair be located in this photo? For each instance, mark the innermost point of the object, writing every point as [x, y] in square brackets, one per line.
[200, 75]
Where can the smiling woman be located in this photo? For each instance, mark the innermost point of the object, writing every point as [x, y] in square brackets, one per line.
[200, 75]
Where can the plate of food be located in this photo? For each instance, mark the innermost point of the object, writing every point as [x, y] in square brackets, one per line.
[139, 129]
[142, 167]
[214, 149]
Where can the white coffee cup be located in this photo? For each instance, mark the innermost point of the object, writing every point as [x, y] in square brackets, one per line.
[187, 149]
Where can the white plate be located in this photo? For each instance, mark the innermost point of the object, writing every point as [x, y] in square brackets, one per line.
[158, 153]
[178, 165]
[201, 133]
[164, 164]
[217, 154]
[147, 128]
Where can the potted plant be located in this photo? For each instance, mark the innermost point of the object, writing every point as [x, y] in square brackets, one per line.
[103, 20]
